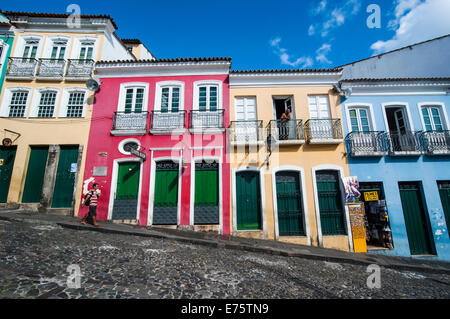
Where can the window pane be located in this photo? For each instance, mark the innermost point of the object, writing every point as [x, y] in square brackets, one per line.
[75, 105]
[165, 100]
[18, 104]
[139, 100]
[213, 98]
[129, 101]
[47, 104]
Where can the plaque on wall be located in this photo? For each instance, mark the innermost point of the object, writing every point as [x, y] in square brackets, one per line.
[99, 171]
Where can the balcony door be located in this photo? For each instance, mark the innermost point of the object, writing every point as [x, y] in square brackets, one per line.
[401, 136]
[246, 119]
[285, 120]
[30, 50]
[319, 112]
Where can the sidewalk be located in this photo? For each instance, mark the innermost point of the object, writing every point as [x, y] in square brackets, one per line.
[231, 242]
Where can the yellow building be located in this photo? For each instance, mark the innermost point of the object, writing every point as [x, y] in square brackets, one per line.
[287, 168]
[45, 110]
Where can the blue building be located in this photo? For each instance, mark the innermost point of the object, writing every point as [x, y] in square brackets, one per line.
[396, 109]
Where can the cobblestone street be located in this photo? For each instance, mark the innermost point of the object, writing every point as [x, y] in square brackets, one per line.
[34, 258]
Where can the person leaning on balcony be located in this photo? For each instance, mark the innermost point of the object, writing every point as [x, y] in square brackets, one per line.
[284, 125]
[91, 199]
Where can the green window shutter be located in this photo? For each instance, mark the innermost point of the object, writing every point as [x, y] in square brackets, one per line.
[65, 179]
[202, 98]
[139, 100]
[129, 101]
[165, 100]
[206, 187]
[166, 188]
[128, 181]
[35, 175]
[8, 156]
[444, 192]
[289, 204]
[175, 99]
[54, 52]
[213, 98]
[248, 201]
[419, 237]
[330, 203]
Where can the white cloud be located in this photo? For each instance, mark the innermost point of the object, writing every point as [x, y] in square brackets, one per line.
[337, 17]
[285, 58]
[311, 30]
[322, 5]
[322, 54]
[416, 21]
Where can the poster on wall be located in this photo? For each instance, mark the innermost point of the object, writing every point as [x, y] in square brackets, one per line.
[351, 186]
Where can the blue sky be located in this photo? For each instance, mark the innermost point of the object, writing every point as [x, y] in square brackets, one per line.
[266, 34]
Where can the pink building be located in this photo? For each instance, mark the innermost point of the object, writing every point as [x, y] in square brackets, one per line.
[157, 143]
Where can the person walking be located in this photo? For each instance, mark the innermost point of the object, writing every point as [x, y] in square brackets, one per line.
[91, 199]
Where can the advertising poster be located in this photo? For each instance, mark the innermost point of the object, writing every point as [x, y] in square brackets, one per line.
[351, 186]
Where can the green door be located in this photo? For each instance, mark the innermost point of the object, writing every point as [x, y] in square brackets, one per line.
[35, 175]
[166, 194]
[289, 204]
[126, 197]
[128, 181]
[206, 203]
[7, 156]
[331, 209]
[65, 177]
[417, 229]
[444, 191]
[248, 201]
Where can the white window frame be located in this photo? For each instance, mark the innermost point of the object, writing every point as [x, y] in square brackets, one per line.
[22, 41]
[48, 47]
[368, 107]
[442, 113]
[76, 48]
[196, 96]
[7, 95]
[123, 94]
[409, 123]
[246, 97]
[125, 141]
[65, 101]
[34, 110]
[3, 53]
[165, 84]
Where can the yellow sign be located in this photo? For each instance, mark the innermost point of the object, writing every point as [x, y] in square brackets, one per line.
[370, 196]
[356, 213]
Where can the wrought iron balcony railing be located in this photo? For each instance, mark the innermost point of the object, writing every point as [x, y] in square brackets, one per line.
[79, 69]
[51, 68]
[287, 131]
[367, 143]
[206, 119]
[167, 122]
[323, 131]
[246, 132]
[436, 142]
[129, 123]
[21, 68]
[406, 143]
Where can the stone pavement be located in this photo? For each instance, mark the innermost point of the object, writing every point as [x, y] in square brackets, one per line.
[236, 243]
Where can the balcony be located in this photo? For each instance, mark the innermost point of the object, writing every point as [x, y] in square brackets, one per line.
[436, 142]
[246, 132]
[21, 68]
[51, 69]
[366, 144]
[404, 144]
[79, 70]
[168, 123]
[129, 124]
[286, 131]
[206, 122]
[324, 131]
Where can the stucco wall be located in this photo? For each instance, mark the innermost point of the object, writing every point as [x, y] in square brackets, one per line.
[391, 170]
[305, 156]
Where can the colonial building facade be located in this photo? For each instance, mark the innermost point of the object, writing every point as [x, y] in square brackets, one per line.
[157, 143]
[395, 108]
[286, 150]
[46, 108]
